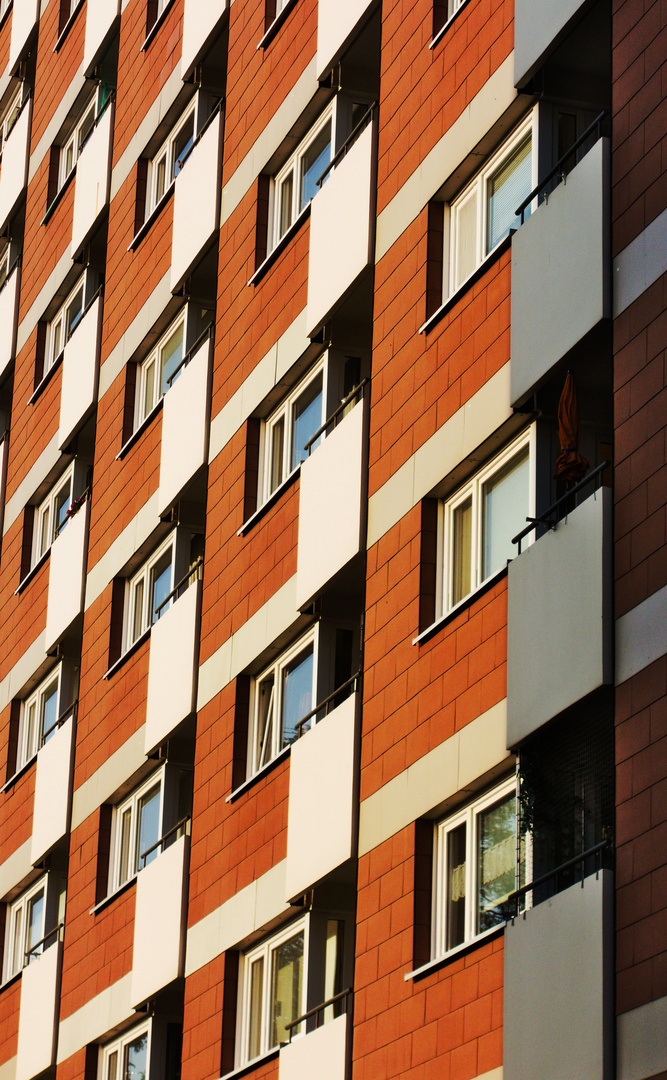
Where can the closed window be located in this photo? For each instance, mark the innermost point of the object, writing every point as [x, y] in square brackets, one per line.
[136, 828]
[155, 373]
[73, 144]
[127, 1058]
[288, 429]
[32, 923]
[273, 991]
[484, 212]
[147, 592]
[296, 183]
[475, 869]
[11, 113]
[51, 515]
[478, 522]
[167, 163]
[39, 717]
[282, 696]
[65, 322]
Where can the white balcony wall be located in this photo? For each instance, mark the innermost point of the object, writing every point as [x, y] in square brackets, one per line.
[341, 218]
[197, 196]
[38, 1017]
[9, 310]
[336, 25]
[159, 922]
[320, 1053]
[560, 272]
[14, 168]
[93, 179]
[331, 506]
[558, 986]
[67, 577]
[25, 15]
[559, 619]
[538, 27]
[185, 424]
[320, 822]
[200, 21]
[80, 372]
[100, 18]
[172, 667]
[52, 792]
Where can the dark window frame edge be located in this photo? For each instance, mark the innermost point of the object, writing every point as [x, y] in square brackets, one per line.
[273, 29]
[33, 571]
[455, 953]
[445, 27]
[449, 616]
[153, 216]
[452, 300]
[130, 651]
[157, 24]
[138, 432]
[273, 498]
[252, 780]
[67, 27]
[59, 195]
[280, 246]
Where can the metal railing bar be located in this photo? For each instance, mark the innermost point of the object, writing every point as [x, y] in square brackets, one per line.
[323, 704]
[191, 351]
[71, 710]
[56, 930]
[318, 1008]
[98, 117]
[546, 517]
[518, 893]
[559, 164]
[193, 570]
[352, 137]
[182, 824]
[207, 123]
[354, 392]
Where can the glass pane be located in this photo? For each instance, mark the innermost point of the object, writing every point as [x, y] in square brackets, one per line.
[306, 418]
[63, 503]
[148, 826]
[297, 694]
[35, 924]
[160, 177]
[50, 709]
[74, 310]
[255, 1020]
[313, 164]
[277, 450]
[56, 346]
[149, 389]
[138, 610]
[510, 185]
[136, 1058]
[462, 550]
[567, 135]
[30, 733]
[112, 1066]
[182, 144]
[286, 981]
[333, 958]
[466, 257]
[456, 886]
[45, 532]
[264, 736]
[496, 861]
[505, 508]
[286, 196]
[160, 584]
[87, 125]
[171, 356]
[17, 959]
[69, 159]
[125, 841]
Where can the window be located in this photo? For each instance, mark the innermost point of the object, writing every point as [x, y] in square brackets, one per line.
[61, 328]
[11, 113]
[296, 183]
[51, 516]
[156, 370]
[475, 868]
[288, 429]
[38, 718]
[147, 590]
[25, 929]
[73, 145]
[484, 212]
[170, 158]
[127, 1057]
[478, 522]
[136, 827]
[281, 696]
[5, 251]
[272, 991]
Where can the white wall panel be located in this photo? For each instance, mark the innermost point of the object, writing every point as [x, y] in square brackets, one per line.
[172, 667]
[40, 994]
[67, 576]
[159, 922]
[319, 1054]
[100, 17]
[337, 20]
[80, 372]
[200, 19]
[25, 14]
[14, 171]
[196, 202]
[52, 789]
[93, 179]
[9, 309]
[185, 426]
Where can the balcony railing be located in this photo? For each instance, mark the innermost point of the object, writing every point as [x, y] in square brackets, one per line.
[193, 574]
[190, 353]
[33, 950]
[558, 169]
[63, 718]
[343, 997]
[181, 828]
[595, 852]
[355, 393]
[326, 704]
[551, 517]
[349, 142]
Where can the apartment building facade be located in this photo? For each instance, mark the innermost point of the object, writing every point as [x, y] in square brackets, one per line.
[333, 530]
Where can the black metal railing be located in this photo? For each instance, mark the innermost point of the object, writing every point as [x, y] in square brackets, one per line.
[351, 139]
[205, 126]
[71, 710]
[354, 393]
[557, 169]
[325, 703]
[344, 995]
[594, 851]
[547, 518]
[181, 828]
[191, 352]
[193, 574]
[38, 944]
[98, 116]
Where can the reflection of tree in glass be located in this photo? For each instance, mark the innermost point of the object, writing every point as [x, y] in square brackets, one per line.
[286, 988]
[496, 860]
[135, 1058]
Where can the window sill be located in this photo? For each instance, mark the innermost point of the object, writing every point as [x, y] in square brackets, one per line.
[112, 896]
[3, 20]
[67, 27]
[270, 765]
[157, 24]
[443, 29]
[32, 572]
[136, 435]
[243, 1070]
[453, 954]
[448, 616]
[42, 385]
[276, 24]
[272, 499]
[53, 205]
[280, 246]
[127, 654]
[468, 283]
[154, 214]
[11, 980]
[18, 774]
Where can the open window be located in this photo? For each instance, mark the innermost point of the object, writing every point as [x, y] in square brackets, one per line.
[32, 923]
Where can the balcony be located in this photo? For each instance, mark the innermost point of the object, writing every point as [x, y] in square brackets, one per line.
[38, 1017]
[539, 26]
[172, 669]
[9, 309]
[342, 217]
[93, 179]
[338, 22]
[322, 799]
[14, 169]
[321, 1053]
[558, 986]
[100, 18]
[67, 576]
[159, 921]
[78, 394]
[332, 504]
[200, 21]
[24, 20]
[185, 423]
[560, 272]
[197, 194]
[52, 789]
[559, 620]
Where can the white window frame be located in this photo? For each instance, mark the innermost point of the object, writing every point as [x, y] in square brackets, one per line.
[139, 588]
[446, 512]
[63, 325]
[131, 805]
[70, 151]
[10, 112]
[469, 816]
[18, 910]
[119, 1047]
[263, 750]
[44, 528]
[285, 413]
[31, 719]
[294, 166]
[151, 369]
[4, 263]
[164, 166]
[265, 951]
[477, 190]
